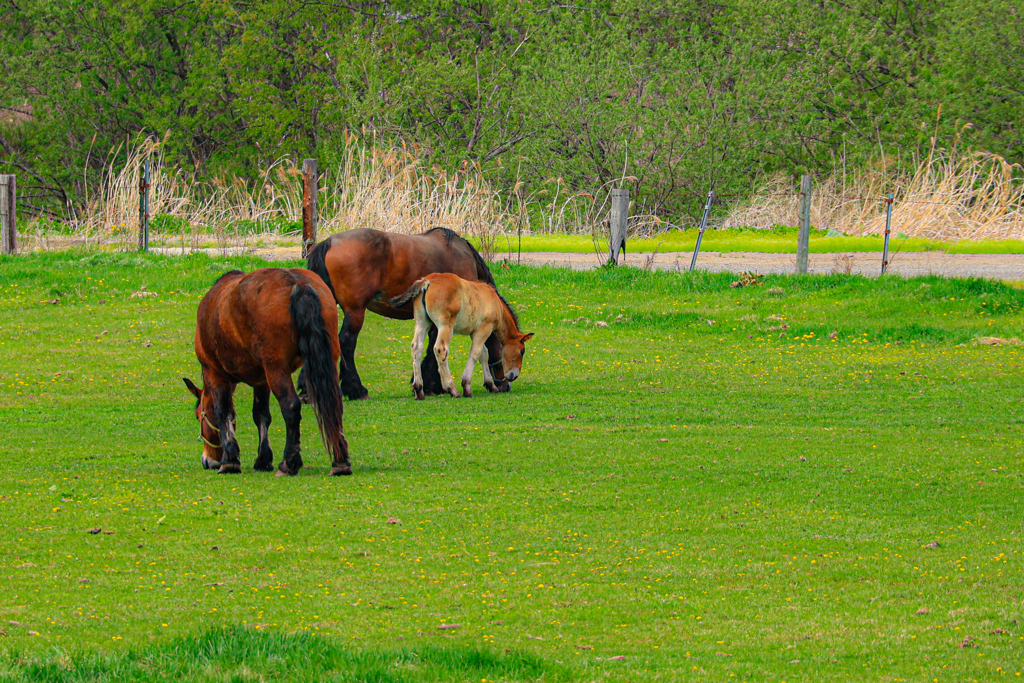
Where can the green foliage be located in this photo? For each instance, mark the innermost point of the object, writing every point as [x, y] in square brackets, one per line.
[672, 95]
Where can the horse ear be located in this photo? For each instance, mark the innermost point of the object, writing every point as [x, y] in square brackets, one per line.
[526, 337]
[196, 391]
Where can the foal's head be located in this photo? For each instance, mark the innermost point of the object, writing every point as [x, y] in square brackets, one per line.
[208, 431]
[512, 352]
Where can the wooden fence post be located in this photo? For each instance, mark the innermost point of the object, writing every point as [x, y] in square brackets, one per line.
[8, 215]
[309, 213]
[804, 236]
[144, 206]
[888, 226]
[618, 220]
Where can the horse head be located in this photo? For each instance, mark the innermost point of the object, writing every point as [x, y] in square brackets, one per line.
[208, 431]
[512, 353]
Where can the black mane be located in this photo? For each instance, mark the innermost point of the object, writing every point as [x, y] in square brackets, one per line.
[236, 271]
[483, 271]
[448, 233]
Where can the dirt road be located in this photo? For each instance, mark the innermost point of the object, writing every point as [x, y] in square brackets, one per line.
[909, 264]
[996, 266]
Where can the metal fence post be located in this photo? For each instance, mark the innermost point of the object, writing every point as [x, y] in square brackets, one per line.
[888, 224]
[144, 207]
[703, 226]
[618, 221]
[8, 215]
[804, 236]
[309, 212]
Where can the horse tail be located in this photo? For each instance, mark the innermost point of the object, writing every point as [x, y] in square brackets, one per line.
[417, 288]
[321, 374]
[315, 261]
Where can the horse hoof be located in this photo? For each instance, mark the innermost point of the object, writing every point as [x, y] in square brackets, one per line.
[342, 470]
[261, 467]
[230, 468]
[491, 389]
[357, 394]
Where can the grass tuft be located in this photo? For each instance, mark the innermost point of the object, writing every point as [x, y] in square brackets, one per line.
[249, 654]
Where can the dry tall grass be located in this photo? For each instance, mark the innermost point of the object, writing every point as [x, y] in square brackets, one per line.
[953, 194]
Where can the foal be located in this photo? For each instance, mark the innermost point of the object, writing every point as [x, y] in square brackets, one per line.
[471, 308]
[259, 329]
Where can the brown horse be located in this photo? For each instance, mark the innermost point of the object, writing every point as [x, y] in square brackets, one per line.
[367, 268]
[472, 308]
[259, 329]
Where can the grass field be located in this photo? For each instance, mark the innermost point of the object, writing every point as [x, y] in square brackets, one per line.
[818, 478]
[764, 241]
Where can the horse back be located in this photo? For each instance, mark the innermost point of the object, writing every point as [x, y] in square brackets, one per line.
[244, 323]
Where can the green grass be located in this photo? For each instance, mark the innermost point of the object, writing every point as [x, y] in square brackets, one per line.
[247, 654]
[780, 242]
[708, 487]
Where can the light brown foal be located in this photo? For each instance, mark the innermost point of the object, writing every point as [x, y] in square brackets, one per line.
[459, 306]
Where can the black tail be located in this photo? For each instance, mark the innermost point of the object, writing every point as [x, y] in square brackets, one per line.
[315, 262]
[321, 373]
[411, 293]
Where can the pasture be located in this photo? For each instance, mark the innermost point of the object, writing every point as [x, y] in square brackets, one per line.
[812, 478]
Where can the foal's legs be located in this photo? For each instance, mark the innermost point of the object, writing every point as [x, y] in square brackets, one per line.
[477, 352]
[224, 418]
[422, 322]
[261, 416]
[291, 410]
[441, 348]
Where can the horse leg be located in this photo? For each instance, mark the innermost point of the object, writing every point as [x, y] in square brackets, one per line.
[351, 386]
[495, 352]
[291, 411]
[476, 352]
[417, 353]
[224, 416]
[428, 369]
[486, 365]
[441, 348]
[261, 416]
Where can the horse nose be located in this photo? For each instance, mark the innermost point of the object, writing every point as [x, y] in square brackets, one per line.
[206, 463]
[513, 373]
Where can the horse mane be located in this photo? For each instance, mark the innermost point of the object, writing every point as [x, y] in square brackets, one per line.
[235, 271]
[448, 233]
[483, 271]
[315, 262]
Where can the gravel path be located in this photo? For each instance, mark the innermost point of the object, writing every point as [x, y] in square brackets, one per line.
[907, 264]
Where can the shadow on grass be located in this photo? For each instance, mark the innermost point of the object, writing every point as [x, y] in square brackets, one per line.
[244, 654]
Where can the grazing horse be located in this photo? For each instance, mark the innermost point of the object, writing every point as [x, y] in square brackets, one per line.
[366, 268]
[472, 308]
[259, 329]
